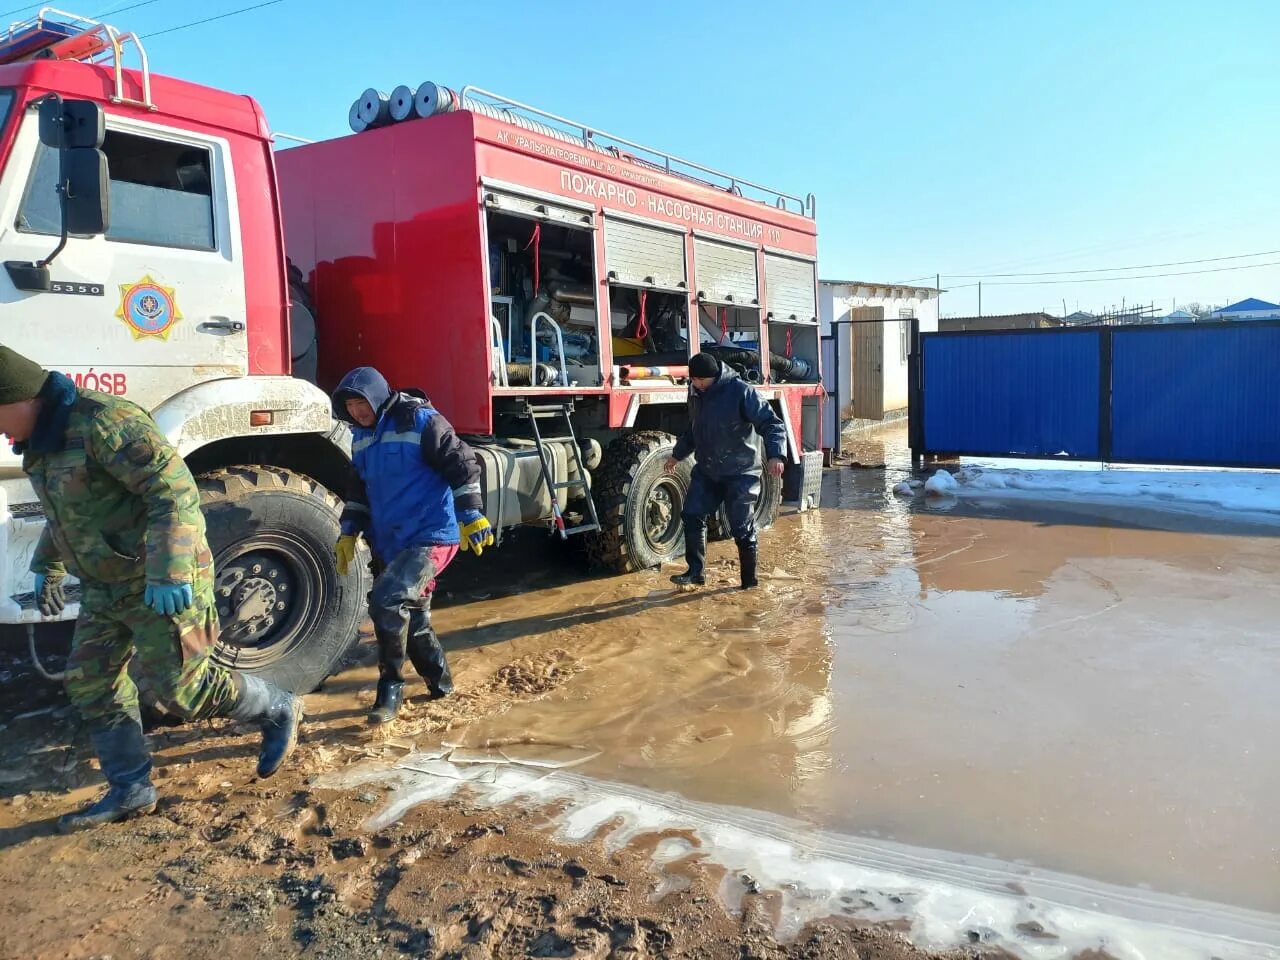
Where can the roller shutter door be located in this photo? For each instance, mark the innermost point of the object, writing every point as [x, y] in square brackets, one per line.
[790, 285]
[536, 209]
[725, 273]
[636, 253]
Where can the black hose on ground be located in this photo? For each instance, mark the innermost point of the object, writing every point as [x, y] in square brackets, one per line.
[35, 657]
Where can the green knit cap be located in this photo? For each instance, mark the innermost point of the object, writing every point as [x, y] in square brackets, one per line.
[20, 378]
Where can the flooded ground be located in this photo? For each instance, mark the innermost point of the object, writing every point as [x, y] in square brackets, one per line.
[1007, 694]
[1077, 688]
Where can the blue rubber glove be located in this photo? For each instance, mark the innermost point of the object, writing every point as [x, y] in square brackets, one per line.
[169, 598]
[476, 531]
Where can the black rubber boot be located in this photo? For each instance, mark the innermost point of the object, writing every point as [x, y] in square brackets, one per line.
[126, 763]
[277, 712]
[427, 656]
[695, 553]
[387, 705]
[748, 557]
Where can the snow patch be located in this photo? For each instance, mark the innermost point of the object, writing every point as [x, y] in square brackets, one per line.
[1256, 495]
[941, 484]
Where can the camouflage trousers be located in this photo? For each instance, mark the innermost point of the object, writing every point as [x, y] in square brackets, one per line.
[175, 655]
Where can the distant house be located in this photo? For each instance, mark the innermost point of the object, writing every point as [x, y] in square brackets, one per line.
[869, 326]
[1178, 316]
[1080, 318]
[1251, 309]
[1006, 321]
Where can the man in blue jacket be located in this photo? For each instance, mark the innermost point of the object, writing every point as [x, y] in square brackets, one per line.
[724, 413]
[415, 490]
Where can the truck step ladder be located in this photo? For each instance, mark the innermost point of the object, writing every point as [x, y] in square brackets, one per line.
[551, 411]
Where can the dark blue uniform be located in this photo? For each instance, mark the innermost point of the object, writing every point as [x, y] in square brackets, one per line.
[723, 422]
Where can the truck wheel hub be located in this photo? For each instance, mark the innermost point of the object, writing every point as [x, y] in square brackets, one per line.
[662, 512]
[253, 598]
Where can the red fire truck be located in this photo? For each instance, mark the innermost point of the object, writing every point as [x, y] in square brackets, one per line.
[542, 282]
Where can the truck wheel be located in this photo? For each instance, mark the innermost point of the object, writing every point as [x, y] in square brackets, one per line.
[638, 505]
[285, 613]
[770, 502]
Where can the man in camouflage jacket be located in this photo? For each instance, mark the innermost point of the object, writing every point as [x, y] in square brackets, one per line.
[123, 515]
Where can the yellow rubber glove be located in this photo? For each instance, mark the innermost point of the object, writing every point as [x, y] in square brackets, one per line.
[345, 552]
[476, 531]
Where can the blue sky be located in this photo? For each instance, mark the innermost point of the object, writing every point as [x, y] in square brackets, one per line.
[940, 137]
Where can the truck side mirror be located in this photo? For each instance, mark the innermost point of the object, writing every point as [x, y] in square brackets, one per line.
[76, 129]
[73, 124]
[84, 187]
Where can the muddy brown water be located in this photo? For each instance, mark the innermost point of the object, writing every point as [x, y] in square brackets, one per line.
[1091, 690]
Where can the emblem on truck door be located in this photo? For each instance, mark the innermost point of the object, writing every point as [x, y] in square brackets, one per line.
[148, 309]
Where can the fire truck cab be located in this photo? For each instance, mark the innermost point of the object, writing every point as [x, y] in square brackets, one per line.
[178, 300]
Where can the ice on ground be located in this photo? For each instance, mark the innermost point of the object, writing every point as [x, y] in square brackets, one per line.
[459, 762]
[946, 898]
[779, 574]
[941, 484]
[1253, 494]
[480, 755]
[547, 756]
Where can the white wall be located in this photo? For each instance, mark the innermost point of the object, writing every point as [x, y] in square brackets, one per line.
[1249, 315]
[835, 302]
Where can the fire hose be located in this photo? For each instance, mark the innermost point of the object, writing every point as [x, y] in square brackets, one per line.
[746, 362]
[524, 374]
[790, 368]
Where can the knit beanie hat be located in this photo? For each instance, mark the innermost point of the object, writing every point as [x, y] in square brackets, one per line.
[20, 378]
[704, 366]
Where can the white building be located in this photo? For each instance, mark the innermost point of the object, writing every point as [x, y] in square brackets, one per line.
[869, 326]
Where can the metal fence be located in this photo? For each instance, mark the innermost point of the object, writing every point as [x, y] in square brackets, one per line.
[1176, 395]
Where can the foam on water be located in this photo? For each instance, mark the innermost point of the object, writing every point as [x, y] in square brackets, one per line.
[949, 899]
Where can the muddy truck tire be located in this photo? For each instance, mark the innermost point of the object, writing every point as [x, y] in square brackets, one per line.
[285, 614]
[638, 505]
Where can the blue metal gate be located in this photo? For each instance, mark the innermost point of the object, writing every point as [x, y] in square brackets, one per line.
[1205, 395]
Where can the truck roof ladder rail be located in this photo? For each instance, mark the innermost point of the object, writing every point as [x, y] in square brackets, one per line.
[666, 162]
[57, 35]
